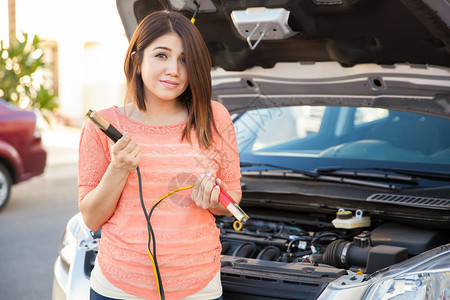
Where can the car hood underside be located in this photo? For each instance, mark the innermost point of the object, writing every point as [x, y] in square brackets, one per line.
[349, 32]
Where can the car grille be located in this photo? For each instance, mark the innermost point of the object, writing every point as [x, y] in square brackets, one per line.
[429, 202]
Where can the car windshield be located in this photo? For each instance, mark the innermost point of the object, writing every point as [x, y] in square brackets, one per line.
[318, 136]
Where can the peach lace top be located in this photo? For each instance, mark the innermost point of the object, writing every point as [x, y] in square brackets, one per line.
[187, 239]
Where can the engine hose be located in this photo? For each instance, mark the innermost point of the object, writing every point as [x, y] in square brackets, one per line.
[335, 255]
[245, 250]
[270, 253]
[226, 246]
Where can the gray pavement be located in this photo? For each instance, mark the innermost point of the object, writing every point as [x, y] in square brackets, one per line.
[32, 223]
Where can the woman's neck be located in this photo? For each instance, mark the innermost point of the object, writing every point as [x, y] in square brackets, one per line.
[160, 114]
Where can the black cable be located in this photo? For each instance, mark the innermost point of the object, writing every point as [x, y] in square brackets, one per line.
[320, 236]
[151, 234]
[115, 135]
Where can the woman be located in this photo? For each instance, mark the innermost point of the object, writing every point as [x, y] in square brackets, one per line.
[177, 137]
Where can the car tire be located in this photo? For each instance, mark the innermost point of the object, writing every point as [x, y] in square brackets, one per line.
[5, 186]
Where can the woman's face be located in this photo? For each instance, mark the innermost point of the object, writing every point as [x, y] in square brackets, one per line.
[163, 69]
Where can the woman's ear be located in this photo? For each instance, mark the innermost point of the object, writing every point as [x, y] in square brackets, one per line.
[134, 56]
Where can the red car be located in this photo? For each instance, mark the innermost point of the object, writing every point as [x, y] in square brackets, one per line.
[21, 153]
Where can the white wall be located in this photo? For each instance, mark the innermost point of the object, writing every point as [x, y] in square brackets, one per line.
[91, 46]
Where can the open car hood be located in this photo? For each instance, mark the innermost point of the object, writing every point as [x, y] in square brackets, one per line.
[349, 32]
[384, 53]
[421, 89]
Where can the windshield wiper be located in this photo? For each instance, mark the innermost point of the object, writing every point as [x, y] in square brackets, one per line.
[444, 176]
[338, 171]
[331, 177]
[307, 173]
[410, 176]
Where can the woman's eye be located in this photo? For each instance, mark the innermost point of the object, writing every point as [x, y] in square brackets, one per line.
[183, 60]
[160, 55]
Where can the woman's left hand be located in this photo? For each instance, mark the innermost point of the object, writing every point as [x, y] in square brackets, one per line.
[206, 191]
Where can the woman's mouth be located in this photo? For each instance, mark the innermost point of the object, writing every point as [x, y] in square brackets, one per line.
[169, 84]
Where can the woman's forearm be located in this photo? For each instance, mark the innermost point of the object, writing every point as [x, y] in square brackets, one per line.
[100, 203]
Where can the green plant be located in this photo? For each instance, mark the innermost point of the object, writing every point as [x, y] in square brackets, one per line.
[22, 76]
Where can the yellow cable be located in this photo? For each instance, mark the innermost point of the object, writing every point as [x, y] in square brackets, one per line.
[174, 191]
[154, 270]
[148, 233]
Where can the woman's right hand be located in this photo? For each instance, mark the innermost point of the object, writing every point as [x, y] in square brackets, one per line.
[125, 154]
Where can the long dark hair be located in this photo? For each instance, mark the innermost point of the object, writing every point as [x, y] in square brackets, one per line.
[197, 96]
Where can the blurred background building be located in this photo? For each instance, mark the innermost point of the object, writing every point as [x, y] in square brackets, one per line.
[85, 43]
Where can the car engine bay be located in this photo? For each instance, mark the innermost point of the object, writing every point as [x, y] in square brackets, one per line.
[271, 258]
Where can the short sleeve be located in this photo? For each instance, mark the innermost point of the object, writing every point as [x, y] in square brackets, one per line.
[93, 158]
[229, 168]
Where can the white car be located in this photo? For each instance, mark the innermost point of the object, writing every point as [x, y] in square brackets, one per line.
[342, 114]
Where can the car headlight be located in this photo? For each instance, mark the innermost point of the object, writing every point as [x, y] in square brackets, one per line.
[414, 286]
[74, 233]
[427, 276]
[68, 243]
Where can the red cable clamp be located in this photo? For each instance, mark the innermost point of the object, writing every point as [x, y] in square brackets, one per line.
[232, 206]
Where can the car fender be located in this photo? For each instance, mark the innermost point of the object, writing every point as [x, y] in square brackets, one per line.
[9, 154]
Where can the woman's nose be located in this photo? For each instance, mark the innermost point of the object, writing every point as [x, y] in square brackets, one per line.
[173, 67]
